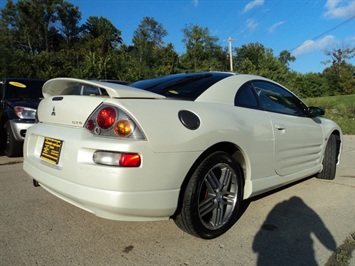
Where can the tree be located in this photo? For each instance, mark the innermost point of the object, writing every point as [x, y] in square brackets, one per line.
[100, 40]
[340, 75]
[311, 85]
[69, 16]
[29, 28]
[202, 51]
[285, 57]
[254, 58]
[150, 57]
[253, 52]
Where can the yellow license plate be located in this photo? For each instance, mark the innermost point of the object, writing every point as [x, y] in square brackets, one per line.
[51, 150]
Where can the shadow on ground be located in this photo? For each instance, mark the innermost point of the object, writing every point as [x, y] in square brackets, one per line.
[285, 236]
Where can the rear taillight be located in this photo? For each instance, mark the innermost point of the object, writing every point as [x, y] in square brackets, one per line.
[106, 117]
[111, 121]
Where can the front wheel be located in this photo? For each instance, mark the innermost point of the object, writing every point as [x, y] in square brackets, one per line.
[212, 197]
[330, 159]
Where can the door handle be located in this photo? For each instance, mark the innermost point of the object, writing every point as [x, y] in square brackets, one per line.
[280, 127]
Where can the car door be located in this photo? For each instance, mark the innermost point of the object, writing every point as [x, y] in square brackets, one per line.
[298, 138]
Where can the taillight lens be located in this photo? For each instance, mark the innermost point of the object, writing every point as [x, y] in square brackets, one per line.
[123, 128]
[130, 160]
[106, 117]
[111, 121]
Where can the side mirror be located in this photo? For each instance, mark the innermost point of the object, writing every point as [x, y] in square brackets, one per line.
[315, 111]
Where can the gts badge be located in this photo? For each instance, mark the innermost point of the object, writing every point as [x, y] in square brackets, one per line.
[77, 123]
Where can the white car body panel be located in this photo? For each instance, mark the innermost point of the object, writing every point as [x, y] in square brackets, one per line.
[151, 191]
[298, 143]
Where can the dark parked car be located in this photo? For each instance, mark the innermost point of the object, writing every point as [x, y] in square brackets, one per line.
[19, 101]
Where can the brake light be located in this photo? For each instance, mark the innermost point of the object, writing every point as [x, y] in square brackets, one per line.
[106, 117]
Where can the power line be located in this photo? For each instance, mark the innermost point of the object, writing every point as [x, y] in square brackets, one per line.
[327, 31]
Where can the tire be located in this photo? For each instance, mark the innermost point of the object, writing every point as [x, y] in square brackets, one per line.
[13, 147]
[212, 197]
[329, 160]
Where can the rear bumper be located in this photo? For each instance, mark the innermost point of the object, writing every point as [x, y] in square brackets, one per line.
[115, 205]
[146, 193]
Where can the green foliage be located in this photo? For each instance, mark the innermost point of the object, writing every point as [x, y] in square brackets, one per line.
[340, 109]
[343, 254]
[202, 51]
[43, 39]
[340, 75]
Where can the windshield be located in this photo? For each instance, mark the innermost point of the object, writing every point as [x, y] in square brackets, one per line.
[24, 89]
[187, 86]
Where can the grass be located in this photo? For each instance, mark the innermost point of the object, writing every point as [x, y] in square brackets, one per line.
[343, 254]
[340, 109]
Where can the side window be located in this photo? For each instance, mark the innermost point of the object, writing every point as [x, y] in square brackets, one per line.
[245, 97]
[276, 99]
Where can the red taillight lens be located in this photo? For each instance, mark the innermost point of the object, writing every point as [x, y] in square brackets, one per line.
[106, 117]
[90, 125]
[130, 160]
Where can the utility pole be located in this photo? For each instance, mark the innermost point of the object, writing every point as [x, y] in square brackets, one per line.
[230, 53]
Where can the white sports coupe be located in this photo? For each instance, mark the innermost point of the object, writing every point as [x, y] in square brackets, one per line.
[187, 146]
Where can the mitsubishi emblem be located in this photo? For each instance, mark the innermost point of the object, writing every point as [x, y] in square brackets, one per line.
[53, 111]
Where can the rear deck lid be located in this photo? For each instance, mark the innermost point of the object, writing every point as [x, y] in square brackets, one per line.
[67, 110]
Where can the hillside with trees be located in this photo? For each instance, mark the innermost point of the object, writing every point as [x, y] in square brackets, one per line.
[44, 39]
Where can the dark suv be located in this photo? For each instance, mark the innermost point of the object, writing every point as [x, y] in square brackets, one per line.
[19, 101]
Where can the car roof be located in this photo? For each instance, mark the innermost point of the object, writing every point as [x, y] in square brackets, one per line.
[224, 91]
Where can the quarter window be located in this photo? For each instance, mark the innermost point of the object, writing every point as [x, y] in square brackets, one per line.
[246, 97]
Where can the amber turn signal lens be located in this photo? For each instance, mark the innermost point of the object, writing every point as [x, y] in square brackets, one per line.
[123, 128]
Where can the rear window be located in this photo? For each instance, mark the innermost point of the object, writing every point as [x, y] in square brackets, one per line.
[23, 89]
[183, 86]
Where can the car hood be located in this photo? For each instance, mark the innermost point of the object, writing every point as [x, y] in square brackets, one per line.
[62, 86]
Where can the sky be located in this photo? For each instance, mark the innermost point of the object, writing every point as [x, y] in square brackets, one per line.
[306, 28]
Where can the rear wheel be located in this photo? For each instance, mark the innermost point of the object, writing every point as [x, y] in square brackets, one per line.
[212, 197]
[13, 147]
[329, 160]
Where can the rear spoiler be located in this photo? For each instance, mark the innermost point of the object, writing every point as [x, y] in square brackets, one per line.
[64, 86]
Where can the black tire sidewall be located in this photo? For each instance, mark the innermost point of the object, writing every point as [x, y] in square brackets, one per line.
[329, 160]
[193, 194]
